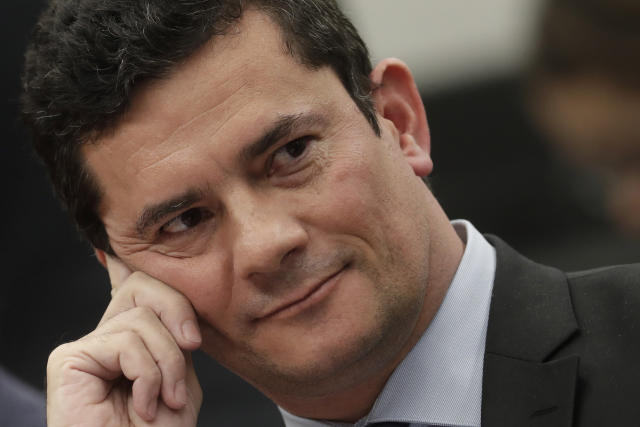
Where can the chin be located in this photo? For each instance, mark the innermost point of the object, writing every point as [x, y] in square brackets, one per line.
[319, 364]
[316, 371]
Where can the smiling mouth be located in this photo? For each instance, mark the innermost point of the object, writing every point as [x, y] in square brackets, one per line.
[311, 297]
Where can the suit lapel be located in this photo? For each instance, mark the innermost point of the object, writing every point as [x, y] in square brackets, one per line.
[531, 316]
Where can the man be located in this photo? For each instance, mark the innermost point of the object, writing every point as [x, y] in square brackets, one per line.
[255, 189]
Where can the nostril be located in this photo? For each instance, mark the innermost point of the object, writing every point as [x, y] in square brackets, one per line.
[290, 257]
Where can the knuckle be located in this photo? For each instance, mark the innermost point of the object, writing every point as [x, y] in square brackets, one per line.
[153, 375]
[173, 361]
[114, 310]
[130, 285]
[58, 353]
[143, 314]
[136, 279]
[129, 339]
[176, 360]
[64, 360]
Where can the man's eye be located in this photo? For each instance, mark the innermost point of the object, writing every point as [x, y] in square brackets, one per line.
[186, 221]
[296, 147]
[289, 153]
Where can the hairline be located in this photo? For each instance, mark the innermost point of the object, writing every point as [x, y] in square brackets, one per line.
[97, 137]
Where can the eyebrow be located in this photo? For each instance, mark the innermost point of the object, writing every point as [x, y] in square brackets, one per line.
[153, 213]
[284, 126]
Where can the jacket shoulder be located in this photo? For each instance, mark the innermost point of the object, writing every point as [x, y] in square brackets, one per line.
[625, 273]
[606, 304]
[609, 294]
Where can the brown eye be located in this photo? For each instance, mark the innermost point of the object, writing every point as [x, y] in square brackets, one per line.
[296, 147]
[288, 154]
[185, 221]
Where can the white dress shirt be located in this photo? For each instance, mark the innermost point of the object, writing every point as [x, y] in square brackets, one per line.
[439, 383]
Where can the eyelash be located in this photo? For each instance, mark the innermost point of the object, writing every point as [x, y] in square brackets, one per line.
[203, 213]
[291, 144]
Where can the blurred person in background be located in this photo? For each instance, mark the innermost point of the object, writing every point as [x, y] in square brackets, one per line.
[585, 93]
[20, 405]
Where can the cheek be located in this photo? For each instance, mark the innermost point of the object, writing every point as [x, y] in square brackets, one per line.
[364, 190]
[346, 198]
[383, 204]
[202, 279]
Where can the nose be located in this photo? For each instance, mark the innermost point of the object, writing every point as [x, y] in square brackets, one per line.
[267, 236]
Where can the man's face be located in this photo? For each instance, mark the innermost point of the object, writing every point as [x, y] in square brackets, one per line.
[254, 186]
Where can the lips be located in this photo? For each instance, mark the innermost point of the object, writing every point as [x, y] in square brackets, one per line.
[303, 298]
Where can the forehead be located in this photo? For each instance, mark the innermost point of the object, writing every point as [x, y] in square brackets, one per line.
[225, 95]
[246, 62]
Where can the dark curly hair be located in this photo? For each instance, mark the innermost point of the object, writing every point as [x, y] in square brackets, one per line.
[86, 57]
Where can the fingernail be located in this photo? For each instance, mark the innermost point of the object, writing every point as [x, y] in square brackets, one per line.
[180, 392]
[151, 409]
[190, 331]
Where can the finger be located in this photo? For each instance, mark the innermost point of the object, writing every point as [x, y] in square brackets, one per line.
[118, 271]
[167, 417]
[104, 358]
[138, 366]
[162, 347]
[174, 309]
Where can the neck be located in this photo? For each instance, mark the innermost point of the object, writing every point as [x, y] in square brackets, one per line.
[352, 403]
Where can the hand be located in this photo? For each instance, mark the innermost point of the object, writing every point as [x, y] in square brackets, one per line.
[135, 368]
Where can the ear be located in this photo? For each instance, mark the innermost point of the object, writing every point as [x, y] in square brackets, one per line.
[101, 256]
[117, 269]
[397, 100]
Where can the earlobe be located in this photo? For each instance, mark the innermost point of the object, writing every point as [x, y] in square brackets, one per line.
[419, 160]
[398, 100]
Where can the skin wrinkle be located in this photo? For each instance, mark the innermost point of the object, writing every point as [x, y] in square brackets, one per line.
[182, 132]
[214, 45]
[175, 135]
[321, 159]
[151, 215]
[141, 151]
[358, 201]
[322, 162]
[297, 275]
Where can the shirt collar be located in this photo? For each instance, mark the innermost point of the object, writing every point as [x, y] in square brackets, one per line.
[440, 380]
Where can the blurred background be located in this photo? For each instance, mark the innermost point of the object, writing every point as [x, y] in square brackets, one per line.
[479, 68]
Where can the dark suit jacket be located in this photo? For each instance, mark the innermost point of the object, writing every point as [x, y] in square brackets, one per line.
[562, 349]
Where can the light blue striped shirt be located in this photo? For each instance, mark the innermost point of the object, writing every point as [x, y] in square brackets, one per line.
[439, 383]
